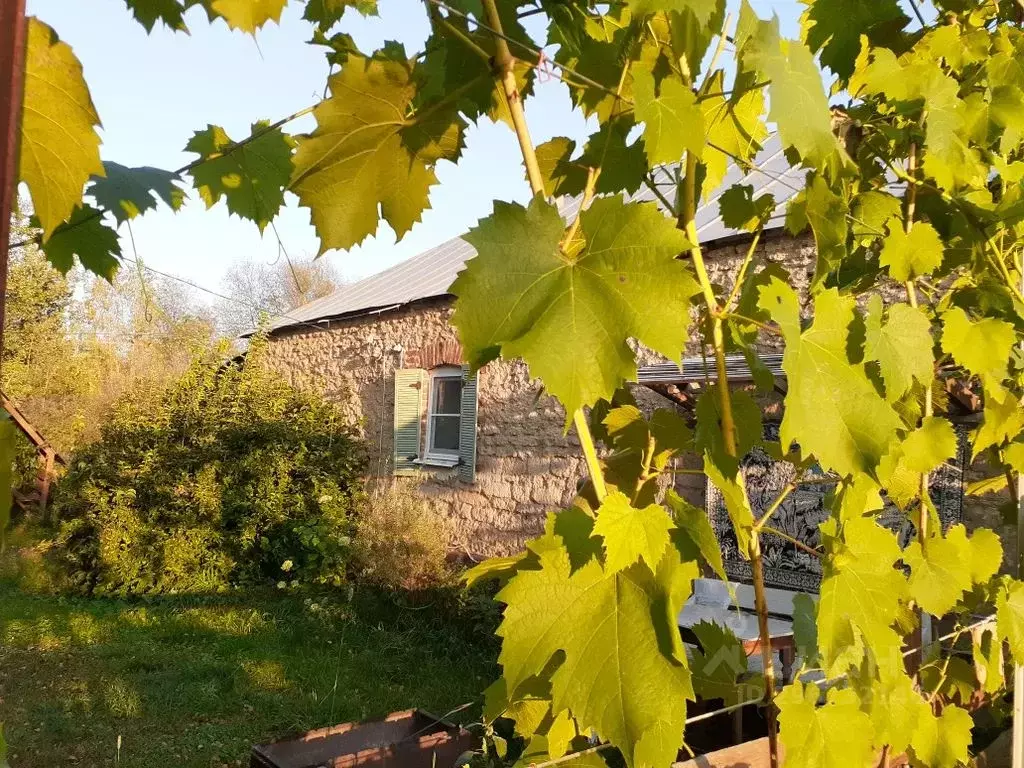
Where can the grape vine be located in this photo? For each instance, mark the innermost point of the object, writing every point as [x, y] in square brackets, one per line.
[914, 194]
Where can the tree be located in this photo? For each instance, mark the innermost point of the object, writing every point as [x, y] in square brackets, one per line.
[588, 637]
[257, 292]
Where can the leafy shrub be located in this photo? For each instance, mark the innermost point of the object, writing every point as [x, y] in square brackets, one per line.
[400, 542]
[228, 476]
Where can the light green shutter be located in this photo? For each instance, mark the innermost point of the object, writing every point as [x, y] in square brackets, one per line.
[409, 384]
[467, 427]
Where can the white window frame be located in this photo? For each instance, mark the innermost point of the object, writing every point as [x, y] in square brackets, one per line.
[445, 456]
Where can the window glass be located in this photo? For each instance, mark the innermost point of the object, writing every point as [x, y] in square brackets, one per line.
[445, 434]
[447, 395]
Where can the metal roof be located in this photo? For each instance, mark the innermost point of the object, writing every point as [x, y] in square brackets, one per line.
[432, 272]
[703, 368]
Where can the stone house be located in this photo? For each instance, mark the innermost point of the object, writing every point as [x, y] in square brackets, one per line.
[491, 452]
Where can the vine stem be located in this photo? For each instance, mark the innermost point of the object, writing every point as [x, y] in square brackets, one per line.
[505, 65]
[590, 453]
[685, 222]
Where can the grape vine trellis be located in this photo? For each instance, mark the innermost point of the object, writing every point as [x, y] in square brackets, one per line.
[914, 191]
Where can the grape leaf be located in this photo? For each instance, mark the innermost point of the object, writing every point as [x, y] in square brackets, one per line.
[834, 735]
[246, 15]
[861, 592]
[367, 146]
[129, 192]
[834, 28]
[1010, 616]
[734, 128]
[622, 165]
[701, 9]
[987, 653]
[940, 572]
[872, 213]
[942, 742]
[693, 535]
[631, 534]
[986, 555]
[86, 236]
[798, 103]
[673, 121]
[718, 664]
[1003, 417]
[569, 314]
[902, 345]
[982, 347]
[805, 628]
[60, 148]
[911, 255]
[740, 210]
[561, 175]
[529, 704]
[832, 409]
[737, 504]
[826, 212]
[326, 13]
[622, 674]
[930, 445]
[493, 568]
[709, 440]
[252, 177]
[149, 12]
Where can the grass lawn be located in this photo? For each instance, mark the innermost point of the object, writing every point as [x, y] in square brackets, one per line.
[196, 681]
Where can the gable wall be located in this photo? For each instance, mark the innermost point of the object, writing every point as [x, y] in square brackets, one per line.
[526, 465]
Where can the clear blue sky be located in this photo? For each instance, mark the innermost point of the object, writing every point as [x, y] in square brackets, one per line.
[152, 92]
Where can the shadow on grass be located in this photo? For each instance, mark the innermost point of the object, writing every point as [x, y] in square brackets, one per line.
[195, 681]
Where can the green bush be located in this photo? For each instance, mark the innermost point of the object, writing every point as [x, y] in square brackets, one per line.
[229, 476]
[400, 543]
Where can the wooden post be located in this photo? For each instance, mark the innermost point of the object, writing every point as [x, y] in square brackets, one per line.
[49, 456]
[12, 82]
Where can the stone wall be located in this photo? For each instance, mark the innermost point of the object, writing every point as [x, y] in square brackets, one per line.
[526, 464]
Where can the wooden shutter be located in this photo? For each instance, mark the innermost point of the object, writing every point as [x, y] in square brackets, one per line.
[409, 386]
[467, 427]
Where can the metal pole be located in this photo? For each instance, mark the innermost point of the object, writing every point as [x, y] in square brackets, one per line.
[12, 82]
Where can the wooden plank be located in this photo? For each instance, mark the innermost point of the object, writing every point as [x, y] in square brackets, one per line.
[31, 433]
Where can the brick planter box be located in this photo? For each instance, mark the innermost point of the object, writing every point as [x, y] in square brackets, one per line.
[410, 739]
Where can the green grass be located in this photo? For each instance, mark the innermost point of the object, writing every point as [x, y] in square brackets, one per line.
[197, 681]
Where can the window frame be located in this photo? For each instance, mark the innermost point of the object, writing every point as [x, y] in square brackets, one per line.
[444, 454]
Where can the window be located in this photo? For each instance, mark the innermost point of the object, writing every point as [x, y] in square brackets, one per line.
[444, 412]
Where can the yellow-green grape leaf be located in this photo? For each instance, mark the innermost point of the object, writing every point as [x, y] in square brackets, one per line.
[718, 663]
[982, 347]
[251, 177]
[734, 127]
[630, 534]
[798, 104]
[895, 707]
[621, 674]
[673, 121]
[693, 535]
[901, 344]
[569, 314]
[930, 445]
[701, 9]
[805, 628]
[873, 211]
[913, 254]
[737, 504]
[560, 733]
[493, 568]
[326, 13]
[1002, 418]
[709, 440]
[940, 572]
[8, 454]
[833, 28]
[149, 12]
[1010, 617]
[834, 735]
[986, 555]
[246, 15]
[60, 148]
[87, 237]
[987, 653]
[740, 210]
[528, 705]
[623, 166]
[942, 742]
[367, 153]
[562, 176]
[130, 192]
[826, 212]
[832, 409]
[1013, 456]
[861, 592]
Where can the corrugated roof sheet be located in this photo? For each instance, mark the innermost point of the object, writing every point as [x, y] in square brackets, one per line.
[432, 272]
